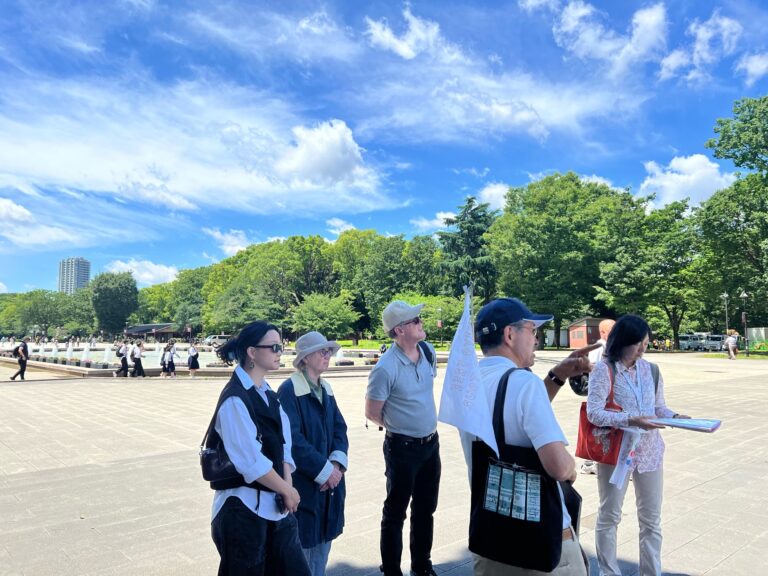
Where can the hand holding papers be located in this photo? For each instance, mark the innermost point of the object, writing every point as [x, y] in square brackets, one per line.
[695, 424]
[626, 455]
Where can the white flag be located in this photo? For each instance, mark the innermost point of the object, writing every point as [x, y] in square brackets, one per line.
[464, 403]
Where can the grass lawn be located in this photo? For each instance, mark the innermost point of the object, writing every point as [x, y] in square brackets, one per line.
[753, 355]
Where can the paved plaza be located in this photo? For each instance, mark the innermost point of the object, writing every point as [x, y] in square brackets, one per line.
[100, 476]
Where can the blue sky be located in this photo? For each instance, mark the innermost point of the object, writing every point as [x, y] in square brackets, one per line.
[152, 136]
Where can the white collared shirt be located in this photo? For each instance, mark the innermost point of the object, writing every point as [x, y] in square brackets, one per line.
[239, 433]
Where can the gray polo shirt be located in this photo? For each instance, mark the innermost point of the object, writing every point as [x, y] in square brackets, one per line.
[406, 389]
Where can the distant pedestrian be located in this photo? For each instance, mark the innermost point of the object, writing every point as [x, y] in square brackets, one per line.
[22, 356]
[192, 360]
[169, 367]
[731, 344]
[138, 354]
[122, 353]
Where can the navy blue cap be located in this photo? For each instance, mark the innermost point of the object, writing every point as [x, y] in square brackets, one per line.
[500, 313]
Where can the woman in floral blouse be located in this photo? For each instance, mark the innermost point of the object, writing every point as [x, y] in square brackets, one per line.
[641, 399]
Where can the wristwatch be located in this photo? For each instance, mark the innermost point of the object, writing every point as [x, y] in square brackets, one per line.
[552, 376]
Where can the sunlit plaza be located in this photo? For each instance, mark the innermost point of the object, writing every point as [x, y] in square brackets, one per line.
[101, 477]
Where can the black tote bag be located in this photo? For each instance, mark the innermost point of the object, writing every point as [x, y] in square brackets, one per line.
[516, 513]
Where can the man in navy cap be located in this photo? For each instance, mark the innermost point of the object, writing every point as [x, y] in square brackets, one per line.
[507, 332]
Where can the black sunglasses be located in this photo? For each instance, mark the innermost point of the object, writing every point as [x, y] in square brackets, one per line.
[274, 347]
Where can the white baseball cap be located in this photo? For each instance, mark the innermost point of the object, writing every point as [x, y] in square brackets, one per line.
[398, 312]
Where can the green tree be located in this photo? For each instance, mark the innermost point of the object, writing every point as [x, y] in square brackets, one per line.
[733, 224]
[10, 315]
[155, 304]
[43, 309]
[437, 311]
[187, 298]
[423, 257]
[744, 138]
[550, 240]
[466, 257]
[383, 275]
[115, 298]
[79, 316]
[656, 268]
[333, 317]
[242, 303]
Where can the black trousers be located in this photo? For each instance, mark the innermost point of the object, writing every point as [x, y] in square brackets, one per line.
[413, 475]
[138, 368]
[123, 366]
[252, 546]
[22, 369]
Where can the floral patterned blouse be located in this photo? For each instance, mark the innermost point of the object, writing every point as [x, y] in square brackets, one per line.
[633, 390]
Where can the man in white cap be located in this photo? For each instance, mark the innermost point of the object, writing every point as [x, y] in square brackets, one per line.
[400, 398]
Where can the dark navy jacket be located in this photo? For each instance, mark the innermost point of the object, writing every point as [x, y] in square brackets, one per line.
[318, 433]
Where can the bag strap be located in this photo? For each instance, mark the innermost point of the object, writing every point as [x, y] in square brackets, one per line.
[240, 392]
[427, 353]
[498, 407]
[655, 374]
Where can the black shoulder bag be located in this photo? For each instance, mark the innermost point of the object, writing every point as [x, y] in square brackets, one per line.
[516, 515]
[214, 460]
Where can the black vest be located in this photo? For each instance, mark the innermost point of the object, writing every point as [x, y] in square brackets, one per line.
[268, 424]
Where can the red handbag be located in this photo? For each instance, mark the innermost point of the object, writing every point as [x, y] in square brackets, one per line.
[600, 444]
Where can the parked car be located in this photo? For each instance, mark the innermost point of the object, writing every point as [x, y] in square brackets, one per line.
[216, 340]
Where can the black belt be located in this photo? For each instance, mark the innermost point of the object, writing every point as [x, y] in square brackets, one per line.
[404, 438]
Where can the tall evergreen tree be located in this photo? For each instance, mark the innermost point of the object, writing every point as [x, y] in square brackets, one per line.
[466, 257]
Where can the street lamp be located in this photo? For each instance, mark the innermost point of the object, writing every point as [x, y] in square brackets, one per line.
[744, 297]
[724, 296]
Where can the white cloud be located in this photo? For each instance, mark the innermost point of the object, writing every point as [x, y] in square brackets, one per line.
[428, 225]
[326, 154]
[12, 212]
[580, 31]
[144, 271]
[713, 39]
[755, 66]
[695, 177]
[182, 147]
[673, 62]
[263, 35]
[495, 194]
[533, 5]
[337, 226]
[462, 97]
[597, 180]
[229, 242]
[276, 239]
[477, 173]
[421, 36]
[3, 288]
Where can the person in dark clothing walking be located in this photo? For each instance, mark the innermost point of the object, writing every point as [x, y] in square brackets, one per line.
[122, 353]
[23, 350]
[138, 352]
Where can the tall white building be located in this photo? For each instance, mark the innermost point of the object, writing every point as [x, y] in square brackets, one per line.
[74, 273]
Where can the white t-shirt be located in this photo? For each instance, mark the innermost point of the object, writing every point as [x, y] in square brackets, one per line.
[597, 354]
[528, 417]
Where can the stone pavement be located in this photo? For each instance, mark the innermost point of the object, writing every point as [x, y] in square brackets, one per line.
[100, 477]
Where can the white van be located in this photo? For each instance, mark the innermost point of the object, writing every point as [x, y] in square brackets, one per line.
[216, 340]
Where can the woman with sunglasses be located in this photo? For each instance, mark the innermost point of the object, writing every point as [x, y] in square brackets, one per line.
[253, 525]
[320, 446]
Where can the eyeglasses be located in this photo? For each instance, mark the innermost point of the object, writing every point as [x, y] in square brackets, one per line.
[276, 348]
[325, 352]
[533, 329]
[416, 320]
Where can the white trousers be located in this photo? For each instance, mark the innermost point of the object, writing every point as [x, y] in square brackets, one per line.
[649, 488]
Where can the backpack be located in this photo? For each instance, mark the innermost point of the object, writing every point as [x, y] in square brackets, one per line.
[16, 353]
[120, 352]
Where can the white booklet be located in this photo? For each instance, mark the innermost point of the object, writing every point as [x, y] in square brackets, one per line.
[696, 424]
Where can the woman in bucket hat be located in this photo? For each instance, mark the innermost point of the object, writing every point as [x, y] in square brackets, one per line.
[320, 447]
